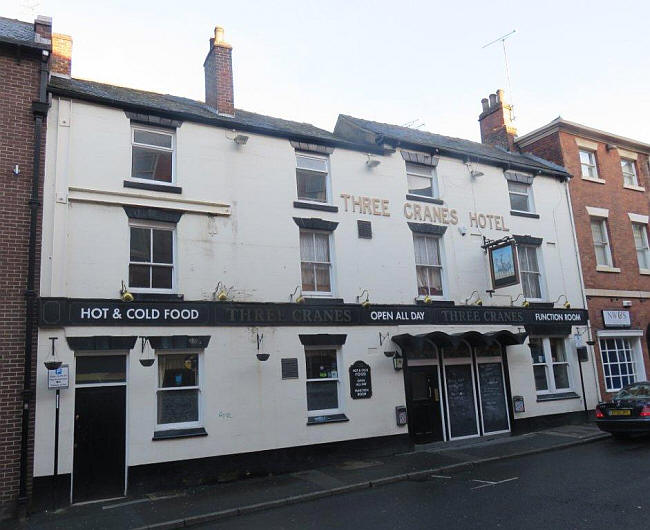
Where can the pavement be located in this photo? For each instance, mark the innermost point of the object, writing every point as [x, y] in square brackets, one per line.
[198, 506]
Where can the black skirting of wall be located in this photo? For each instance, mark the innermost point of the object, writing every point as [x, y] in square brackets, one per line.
[48, 496]
[538, 423]
[186, 473]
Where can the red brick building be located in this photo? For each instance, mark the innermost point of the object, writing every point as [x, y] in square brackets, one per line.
[24, 59]
[609, 195]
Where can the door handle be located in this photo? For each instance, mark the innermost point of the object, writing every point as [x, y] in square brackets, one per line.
[436, 395]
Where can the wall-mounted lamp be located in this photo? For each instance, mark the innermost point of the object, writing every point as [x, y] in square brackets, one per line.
[238, 138]
[566, 304]
[52, 362]
[365, 303]
[147, 357]
[125, 295]
[261, 356]
[525, 303]
[398, 362]
[300, 299]
[220, 292]
[474, 173]
[372, 162]
[478, 300]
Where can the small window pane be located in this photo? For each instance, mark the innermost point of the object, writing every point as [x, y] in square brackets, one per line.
[100, 369]
[558, 353]
[178, 406]
[178, 370]
[540, 377]
[152, 165]
[561, 375]
[536, 351]
[323, 278]
[322, 395]
[308, 277]
[140, 244]
[321, 364]
[519, 202]
[311, 186]
[321, 247]
[162, 246]
[152, 138]
[311, 163]
[161, 277]
[419, 185]
[139, 276]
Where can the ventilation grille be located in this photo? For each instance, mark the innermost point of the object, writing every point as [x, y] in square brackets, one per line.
[365, 229]
[290, 368]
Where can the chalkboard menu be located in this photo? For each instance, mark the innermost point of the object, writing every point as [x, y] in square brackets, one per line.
[360, 383]
[460, 398]
[493, 400]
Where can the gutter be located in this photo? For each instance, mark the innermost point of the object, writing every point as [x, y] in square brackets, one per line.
[39, 110]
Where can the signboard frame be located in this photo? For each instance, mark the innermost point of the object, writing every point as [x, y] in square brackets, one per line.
[513, 262]
[616, 318]
[360, 380]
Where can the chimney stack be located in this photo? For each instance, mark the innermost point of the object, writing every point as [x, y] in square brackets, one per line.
[496, 122]
[43, 31]
[218, 75]
[61, 63]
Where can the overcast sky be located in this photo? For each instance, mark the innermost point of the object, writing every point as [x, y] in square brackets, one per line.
[382, 60]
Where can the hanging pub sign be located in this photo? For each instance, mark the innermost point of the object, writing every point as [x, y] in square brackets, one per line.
[360, 382]
[503, 265]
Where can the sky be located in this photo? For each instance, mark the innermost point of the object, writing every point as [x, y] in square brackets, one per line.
[395, 62]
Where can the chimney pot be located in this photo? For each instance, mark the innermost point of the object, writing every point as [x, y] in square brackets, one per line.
[218, 35]
[486, 104]
[493, 100]
[500, 98]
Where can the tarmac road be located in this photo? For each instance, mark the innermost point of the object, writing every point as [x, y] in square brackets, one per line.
[605, 485]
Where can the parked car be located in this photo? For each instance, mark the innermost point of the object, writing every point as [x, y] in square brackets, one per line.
[627, 413]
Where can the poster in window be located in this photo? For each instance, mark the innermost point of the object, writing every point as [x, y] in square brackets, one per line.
[503, 265]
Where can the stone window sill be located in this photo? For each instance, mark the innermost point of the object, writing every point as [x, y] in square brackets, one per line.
[607, 268]
[557, 396]
[327, 418]
[517, 213]
[421, 198]
[635, 188]
[599, 181]
[173, 434]
[166, 188]
[644, 271]
[315, 206]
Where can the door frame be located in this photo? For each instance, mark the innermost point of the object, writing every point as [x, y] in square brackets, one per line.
[103, 353]
[488, 360]
[430, 362]
[462, 361]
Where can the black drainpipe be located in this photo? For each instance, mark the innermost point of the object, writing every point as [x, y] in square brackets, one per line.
[39, 109]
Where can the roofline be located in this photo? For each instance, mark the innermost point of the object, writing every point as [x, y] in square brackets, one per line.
[216, 121]
[464, 155]
[32, 46]
[584, 131]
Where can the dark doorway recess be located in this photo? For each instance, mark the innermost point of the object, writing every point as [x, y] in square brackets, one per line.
[423, 403]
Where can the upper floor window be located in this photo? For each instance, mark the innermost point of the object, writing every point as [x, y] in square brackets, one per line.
[428, 265]
[550, 364]
[152, 155]
[629, 172]
[529, 271]
[312, 177]
[151, 264]
[601, 241]
[521, 198]
[422, 180]
[588, 164]
[641, 243]
[315, 262]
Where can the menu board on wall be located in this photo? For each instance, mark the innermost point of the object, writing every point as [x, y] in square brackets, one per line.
[493, 400]
[460, 397]
[360, 382]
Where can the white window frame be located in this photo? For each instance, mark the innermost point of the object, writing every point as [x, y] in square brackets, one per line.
[643, 227]
[441, 253]
[339, 380]
[549, 364]
[636, 355]
[540, 272]
[602, 221]
[632, 175]
[166, 132]
[530, 202]
[154, 225]
[419, 170]
[330, 241]
[592, 164]
[328, 183]
[158, 388]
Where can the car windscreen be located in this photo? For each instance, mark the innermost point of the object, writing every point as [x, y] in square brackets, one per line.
[641, 390]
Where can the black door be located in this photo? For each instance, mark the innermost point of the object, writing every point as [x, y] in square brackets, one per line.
[99, 443]
[423, 404]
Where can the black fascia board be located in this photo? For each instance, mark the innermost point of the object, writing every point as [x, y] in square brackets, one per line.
[216, 121]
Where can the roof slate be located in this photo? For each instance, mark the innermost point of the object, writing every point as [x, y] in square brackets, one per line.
[455, 145]
[17, 32]
[191, 109]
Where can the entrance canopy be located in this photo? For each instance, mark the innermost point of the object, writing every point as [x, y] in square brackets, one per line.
[424, 341]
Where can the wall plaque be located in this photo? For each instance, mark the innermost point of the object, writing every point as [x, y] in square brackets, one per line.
[613, 318]
[360, 382]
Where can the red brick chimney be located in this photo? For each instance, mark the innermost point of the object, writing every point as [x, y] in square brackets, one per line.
[43, 31]
[218, 75]
[61, 63]
[496, 122]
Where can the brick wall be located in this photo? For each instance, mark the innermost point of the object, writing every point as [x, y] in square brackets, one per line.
[219, 92]
[19, 82]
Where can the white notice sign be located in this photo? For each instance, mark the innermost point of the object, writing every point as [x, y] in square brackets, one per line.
[58, 378]
[613, 318]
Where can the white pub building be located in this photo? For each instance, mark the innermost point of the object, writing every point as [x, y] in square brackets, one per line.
[235, 293]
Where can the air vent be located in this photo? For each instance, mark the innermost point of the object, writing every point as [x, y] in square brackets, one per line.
[290, 368]
[365, 229]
